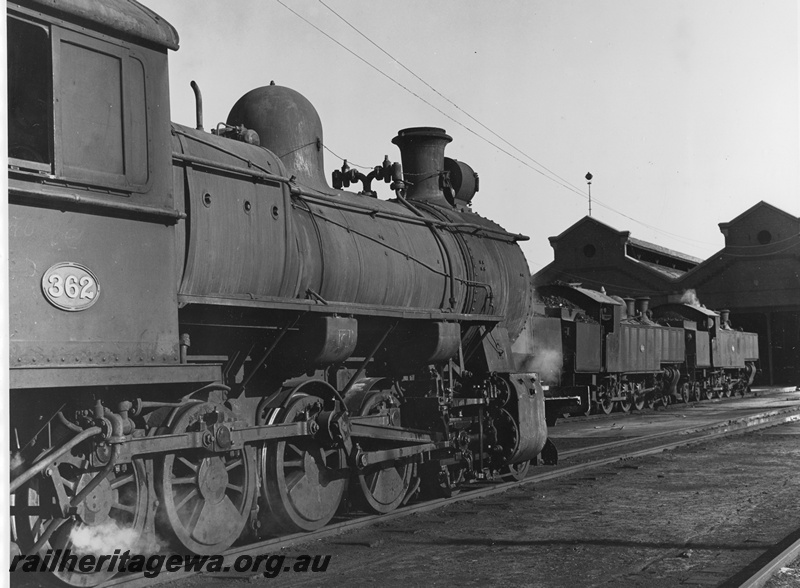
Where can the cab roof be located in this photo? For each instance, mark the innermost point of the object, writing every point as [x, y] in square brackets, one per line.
[126, 18]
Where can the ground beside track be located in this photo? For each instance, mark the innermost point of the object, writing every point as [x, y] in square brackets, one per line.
[579, 432]
[694, 516]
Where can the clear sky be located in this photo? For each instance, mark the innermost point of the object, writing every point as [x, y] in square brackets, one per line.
[685, 111]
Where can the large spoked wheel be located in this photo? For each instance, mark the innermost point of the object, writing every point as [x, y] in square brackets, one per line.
[696, 394]
[685, 392]
[624, 405]
[384, 486]
[638, 401]
[516, 471]
[604, 403]
[207, 497]
[117, 509]
[302, 482]
[707, 393]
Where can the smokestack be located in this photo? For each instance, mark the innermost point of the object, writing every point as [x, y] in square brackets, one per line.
[642, 304]
[724, 315]
[422, 154]
[630, 308]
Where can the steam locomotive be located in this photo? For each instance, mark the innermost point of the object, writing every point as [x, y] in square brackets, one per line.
[596, 352]
[210, 344]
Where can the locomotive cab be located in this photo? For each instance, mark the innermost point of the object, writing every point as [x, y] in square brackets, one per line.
[91, 210]
[87, 105]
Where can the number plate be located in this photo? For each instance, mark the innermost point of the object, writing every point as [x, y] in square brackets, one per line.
[70, 286]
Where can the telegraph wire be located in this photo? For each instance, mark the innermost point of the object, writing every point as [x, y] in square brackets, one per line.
[503, 139]
[564, 184]
[445, 98]
[553, 177]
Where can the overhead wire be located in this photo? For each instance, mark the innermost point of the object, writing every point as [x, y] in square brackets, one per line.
[445, 98]
[439, 110]
[553, 176]
[506, 141]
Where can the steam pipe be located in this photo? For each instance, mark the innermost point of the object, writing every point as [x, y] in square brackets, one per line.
[198, 98]
[47, 462]
[70, 425]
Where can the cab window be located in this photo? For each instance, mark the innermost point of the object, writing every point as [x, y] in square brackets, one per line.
[77, 107]
[30, 74]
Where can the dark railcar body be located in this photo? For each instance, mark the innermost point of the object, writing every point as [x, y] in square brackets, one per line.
[719, 360]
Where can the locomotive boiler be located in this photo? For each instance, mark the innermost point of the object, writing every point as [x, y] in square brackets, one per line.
[208, 343]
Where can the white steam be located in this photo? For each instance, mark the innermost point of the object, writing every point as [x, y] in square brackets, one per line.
[690, 297]
[16, 461]
[103, 539]
[548, 363]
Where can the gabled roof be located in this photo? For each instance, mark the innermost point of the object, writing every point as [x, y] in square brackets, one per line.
[663, 250]
[597, 296]
[576, 292]
[637, 243]
[668, 272]
[762, 204]
[588, 220]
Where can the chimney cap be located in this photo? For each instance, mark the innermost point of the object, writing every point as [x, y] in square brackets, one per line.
[420, 132]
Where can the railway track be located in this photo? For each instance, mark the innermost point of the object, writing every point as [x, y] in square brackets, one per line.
[759, 572]
[572, 462]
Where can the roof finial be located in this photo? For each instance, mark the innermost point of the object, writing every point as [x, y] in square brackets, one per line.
[589, 181]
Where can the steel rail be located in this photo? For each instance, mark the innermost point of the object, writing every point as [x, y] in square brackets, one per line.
[759, 577]
[700, 429]
[717, 430]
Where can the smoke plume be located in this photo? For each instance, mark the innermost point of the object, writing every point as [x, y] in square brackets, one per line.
[548, 363]
[690, 297]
